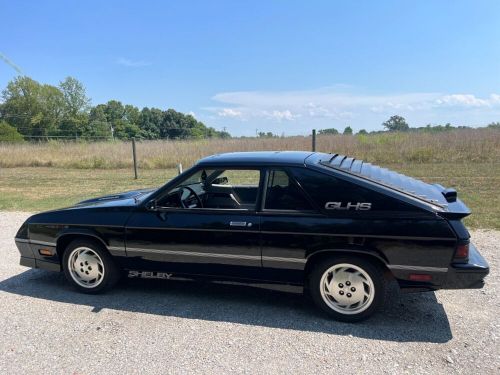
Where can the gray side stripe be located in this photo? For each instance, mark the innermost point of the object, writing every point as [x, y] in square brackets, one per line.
[298, 233]
[193, 253]
[116, 248]
[417, 268]
[280, 259]
[215, 255]
[23, 240]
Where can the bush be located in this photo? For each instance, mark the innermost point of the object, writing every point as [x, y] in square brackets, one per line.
[9, 133]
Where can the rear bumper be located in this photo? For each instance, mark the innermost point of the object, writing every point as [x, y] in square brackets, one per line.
[468, 275]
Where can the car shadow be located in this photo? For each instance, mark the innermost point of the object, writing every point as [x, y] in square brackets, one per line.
[405, 317]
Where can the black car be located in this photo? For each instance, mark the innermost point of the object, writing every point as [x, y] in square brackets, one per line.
[330, 224]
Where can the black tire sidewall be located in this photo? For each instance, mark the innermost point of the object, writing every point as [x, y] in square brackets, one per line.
[111, 274]
[375, 273]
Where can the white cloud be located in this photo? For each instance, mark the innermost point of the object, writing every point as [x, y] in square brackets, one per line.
[229, 112]
[280, 115]
[329, 103]
[339, 106]
[325, 103]
[468, 100]
[132, 63]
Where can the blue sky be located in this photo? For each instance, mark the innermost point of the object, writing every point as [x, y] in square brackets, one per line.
[280, 66]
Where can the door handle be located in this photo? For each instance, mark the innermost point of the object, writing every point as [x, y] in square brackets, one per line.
[239, 224]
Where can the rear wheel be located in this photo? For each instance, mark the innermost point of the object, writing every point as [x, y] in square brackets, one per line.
[348, 289]
[89, 267]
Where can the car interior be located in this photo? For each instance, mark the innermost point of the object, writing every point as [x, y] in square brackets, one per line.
[235, 189]
[215, 189]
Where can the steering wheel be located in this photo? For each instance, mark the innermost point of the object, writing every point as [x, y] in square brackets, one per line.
[197, 197]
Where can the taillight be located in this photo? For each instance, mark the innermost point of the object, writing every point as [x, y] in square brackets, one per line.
[462, 251]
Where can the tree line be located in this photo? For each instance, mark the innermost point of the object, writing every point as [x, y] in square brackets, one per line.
[31, 110]
[398, 123]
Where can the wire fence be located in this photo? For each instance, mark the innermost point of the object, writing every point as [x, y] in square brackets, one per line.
[35, 134]
[128, 148]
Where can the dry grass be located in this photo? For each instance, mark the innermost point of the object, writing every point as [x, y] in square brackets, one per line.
[460, 146]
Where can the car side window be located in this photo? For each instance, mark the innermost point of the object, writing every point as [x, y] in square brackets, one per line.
[339, 196]
[231, 189]
[282, 193]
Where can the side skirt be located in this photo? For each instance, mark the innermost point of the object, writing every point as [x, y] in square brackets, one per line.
[281, 287]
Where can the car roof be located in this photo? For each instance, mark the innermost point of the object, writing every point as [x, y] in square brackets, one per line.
[432, 193]
[254, 158]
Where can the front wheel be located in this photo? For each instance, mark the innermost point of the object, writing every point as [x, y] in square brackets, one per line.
[348, 289]
[89, 267]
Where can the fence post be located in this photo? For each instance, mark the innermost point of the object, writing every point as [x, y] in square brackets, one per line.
[135, 158]
[179, 168]
[314, 140]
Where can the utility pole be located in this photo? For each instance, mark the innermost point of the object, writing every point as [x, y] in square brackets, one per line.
[135, 158]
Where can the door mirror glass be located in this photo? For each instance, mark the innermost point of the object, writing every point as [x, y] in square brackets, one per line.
[152, 205]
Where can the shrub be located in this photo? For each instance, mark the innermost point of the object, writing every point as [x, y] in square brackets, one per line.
[9, 133]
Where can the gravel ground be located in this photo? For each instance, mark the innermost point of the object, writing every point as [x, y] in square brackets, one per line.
[170, 327]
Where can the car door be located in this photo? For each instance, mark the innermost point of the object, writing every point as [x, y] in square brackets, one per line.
[289, 220]
[221, 239]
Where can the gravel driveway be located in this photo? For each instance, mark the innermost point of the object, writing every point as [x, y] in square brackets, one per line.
[170, 327]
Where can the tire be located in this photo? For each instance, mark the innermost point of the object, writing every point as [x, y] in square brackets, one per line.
[348, 289]
[89, 267]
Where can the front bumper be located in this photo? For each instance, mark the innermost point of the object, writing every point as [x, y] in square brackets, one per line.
[468, 275]
[31, 257]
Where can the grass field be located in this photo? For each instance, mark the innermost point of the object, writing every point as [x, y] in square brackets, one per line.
[43, 176]
[41, 188]
[458, 146]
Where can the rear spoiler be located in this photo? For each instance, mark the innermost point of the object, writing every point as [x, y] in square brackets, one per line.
[455, 208]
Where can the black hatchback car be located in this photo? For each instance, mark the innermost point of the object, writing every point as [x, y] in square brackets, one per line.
[333, 225]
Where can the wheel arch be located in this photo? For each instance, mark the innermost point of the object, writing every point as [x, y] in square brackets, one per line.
[66, 237]
[366, 254]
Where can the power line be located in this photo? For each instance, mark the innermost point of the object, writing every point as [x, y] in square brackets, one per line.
[10, 63]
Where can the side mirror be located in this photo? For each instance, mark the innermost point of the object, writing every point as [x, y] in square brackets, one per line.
[152, 205]
[221, 181]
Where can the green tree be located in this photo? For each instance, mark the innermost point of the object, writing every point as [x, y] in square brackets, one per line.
[33, 109]
[75, 97]
[96, 129]
[122, 121]
[266, 135]
[177, 125]
[348, 130]
[9, 133]
[150, 121]
[219, 134]
[75, 116]
[328, 131]
[363, 131]
[37, 110]
[22, 107]
[396, 123]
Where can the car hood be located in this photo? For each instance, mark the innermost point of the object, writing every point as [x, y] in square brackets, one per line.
[108, 208]
[126, 198]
